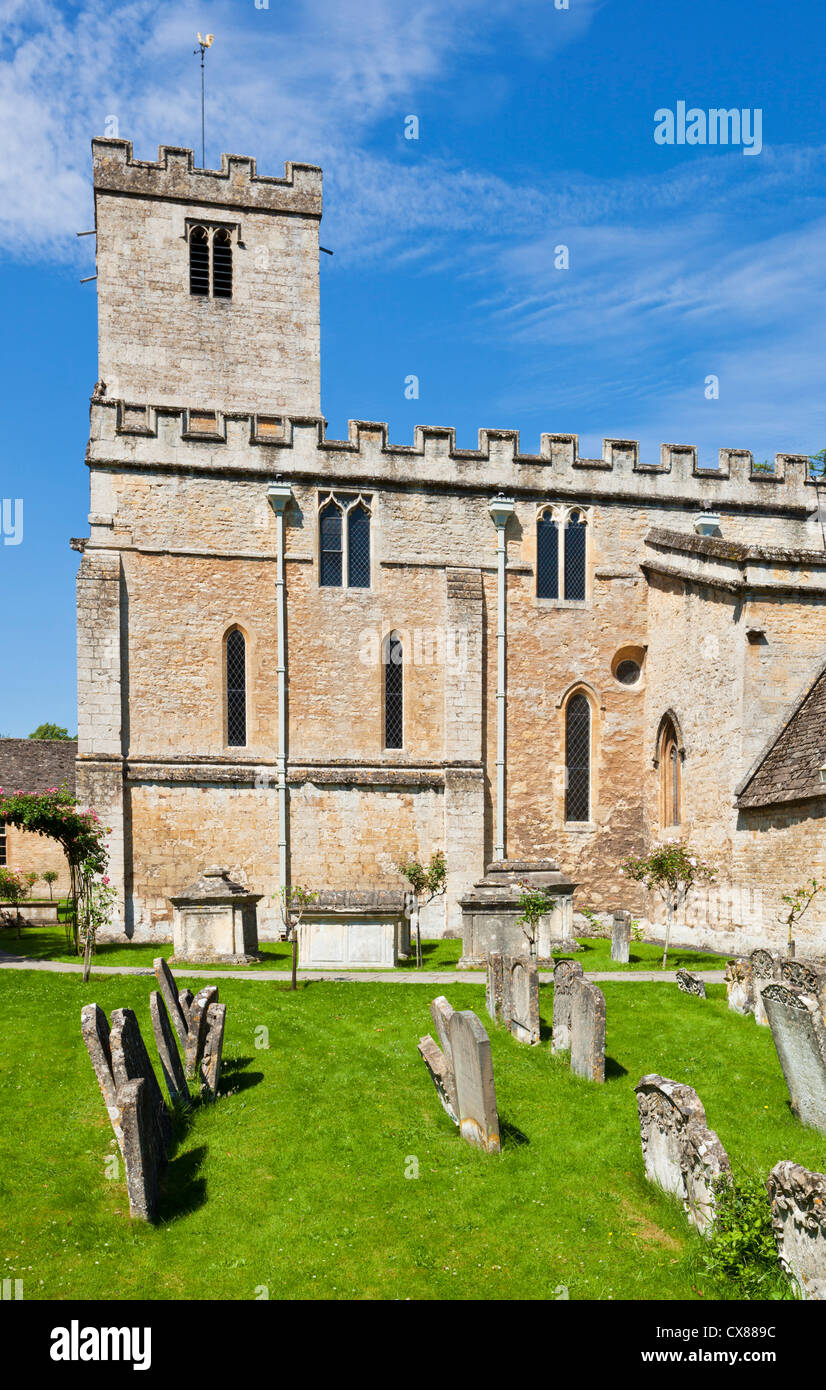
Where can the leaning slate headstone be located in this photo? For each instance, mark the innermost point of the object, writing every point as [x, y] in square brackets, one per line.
[130, 1061]
[680, 1153]
[520, 998]
[95, 1031]
[475, 1091]
[565, 974]
[621, 937]
[798, 1199]
[587, 1030]
[173, 1072]
[740, 986]
[493, 989]
[439, 1061]
[213, 1051]
[765, 967]
[171, 998]
[196, 1035]
[691, 984]
[141, 1155]
[800, 1038]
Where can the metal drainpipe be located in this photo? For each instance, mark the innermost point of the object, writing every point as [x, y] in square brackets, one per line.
[500, 509]
[278, 496]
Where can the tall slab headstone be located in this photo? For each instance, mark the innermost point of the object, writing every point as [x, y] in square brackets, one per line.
[621, 937]
[168, 1055]
[800, 1038]
[520, 998]
[566, 972]
[130, 1061]
[196, 1033]
[95, 1032]
[213, 1051]
[142, 1157]
[493, 988]
[765, 968]
[587, 1030]
[171, 998]
[439, 1061]
[798, 1199]
[680, 1153]
[475, 1091]
[740, 986]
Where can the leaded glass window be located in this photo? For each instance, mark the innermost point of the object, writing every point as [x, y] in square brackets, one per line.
[578, 758]
[575, 556]
[199, 261]
[358, 547]
[394, 692]
[236, 649]
[330, 569]
[547, 556]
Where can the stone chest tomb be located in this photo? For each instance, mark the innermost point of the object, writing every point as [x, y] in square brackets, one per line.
[215, 919]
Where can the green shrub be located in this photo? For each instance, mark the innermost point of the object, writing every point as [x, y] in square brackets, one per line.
[740, 1249]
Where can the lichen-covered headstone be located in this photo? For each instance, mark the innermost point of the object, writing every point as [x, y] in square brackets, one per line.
[142, 1157]
[439, 1061]
[800, 1038]
[740, 986]
[691, 984]
[130, 1061]
[213, 1051]
[566, 972]
[493, 986]
[196, 1033]
[520, 998]
[170, 1059]
[798, 1199]
[765, 968]
[171, 998]
[95, 1031]
[475, 1091]
[621, 937]
[587, 1030]
[680, 1153]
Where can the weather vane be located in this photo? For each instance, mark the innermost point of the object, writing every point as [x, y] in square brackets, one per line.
[203, 45]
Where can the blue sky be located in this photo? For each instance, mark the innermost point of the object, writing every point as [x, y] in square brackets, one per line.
[536, 129]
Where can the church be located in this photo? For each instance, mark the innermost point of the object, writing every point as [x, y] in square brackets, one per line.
[307, 659]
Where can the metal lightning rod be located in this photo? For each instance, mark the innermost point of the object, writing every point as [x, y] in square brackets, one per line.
[203, 45]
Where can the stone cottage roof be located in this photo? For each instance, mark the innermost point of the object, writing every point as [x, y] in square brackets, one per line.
[34, 764]
[788, 769]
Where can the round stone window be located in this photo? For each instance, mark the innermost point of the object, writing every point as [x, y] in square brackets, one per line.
[628, 672]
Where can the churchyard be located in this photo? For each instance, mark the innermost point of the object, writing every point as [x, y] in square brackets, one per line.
[328, 1168]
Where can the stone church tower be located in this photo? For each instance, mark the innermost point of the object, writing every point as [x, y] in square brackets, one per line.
[310, 657]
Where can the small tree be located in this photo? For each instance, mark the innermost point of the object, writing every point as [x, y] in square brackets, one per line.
[12, 890]
[292, 904]
[50, 876]
[426, 884]
[535, 904]
[97, 901]
[672, 871]
[50, 731]
[30, 879]
[797, 903]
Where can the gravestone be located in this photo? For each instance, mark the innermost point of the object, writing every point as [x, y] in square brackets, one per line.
[196, 1034]
[810, 978]
[765, 967]
[493, 987]
[740, 986]
[798, 1199]
[566, 972]
[130, 1061]
[691, 984]
[800, 1038]
[171, 998]
[185, 997]
[587, 1030]
[173, 1072]
[213, 1051]
[621, 937]
[475, 1091]
[680, 1153]
[141, 1155]
[520, 998]
[439, 1061]
[95, 1031]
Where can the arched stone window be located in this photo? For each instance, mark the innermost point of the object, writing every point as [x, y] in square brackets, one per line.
[222, 264]
[330, 561]
[547, 555]
[575, 556]
[578, 758]
[670, 762]
[199, 261]
[358, 547]
[236, 688]
[393, 692]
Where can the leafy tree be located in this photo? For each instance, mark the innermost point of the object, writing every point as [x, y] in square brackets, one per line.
[30, 879]
[797, 903]
[672, 871]
[292, 904]
[535, 904]
[50, 731]
[50, 876]
[817, 464]
[12, 890]
[426, 884]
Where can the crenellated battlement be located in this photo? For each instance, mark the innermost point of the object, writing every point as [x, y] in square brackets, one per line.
[139, 435]
[175, 176]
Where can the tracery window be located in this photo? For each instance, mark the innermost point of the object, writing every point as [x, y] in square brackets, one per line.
[344, 541]
[561, 554]
[236, 688]
[578, 758]
[670, 776]
[210, 261]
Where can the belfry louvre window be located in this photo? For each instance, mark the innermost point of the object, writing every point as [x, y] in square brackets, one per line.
[222, 264]
[344, 541]
[236, 676]
[199, 261]
[578, 758]
[575, 556]
[547, 556]
[210, 262]
[393, 692]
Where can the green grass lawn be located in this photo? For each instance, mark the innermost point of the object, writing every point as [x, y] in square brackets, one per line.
[296, 1179]
[49, 943]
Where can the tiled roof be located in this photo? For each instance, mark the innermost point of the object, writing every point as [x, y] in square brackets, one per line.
[34, 764]
[789, 769]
